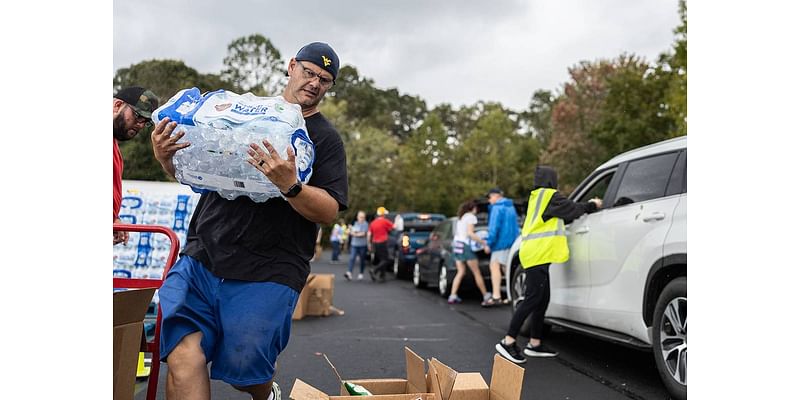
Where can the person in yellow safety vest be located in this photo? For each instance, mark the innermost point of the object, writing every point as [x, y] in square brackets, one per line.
[544, 241]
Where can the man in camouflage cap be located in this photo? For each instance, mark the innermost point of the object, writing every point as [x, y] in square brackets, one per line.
[132, 108]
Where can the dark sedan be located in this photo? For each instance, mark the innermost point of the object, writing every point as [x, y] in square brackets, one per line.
[411, 232]
[435, 262]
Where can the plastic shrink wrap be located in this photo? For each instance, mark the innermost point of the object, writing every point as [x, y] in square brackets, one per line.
[220, 126]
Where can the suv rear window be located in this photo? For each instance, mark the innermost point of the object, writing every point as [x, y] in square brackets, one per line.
[645, 179]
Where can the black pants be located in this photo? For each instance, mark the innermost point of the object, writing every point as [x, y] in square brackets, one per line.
[537, 297]
[382, 260]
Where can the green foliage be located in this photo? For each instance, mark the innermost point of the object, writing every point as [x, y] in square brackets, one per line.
[674, 64]
[490, 155]
[255, 65]
[632, 113]
[167, 77]
[424, 170]
[536, 119]
[383, 109]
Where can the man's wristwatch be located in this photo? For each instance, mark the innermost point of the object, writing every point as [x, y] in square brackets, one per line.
[293, 190]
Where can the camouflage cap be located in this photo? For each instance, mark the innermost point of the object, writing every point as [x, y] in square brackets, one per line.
[143, 101]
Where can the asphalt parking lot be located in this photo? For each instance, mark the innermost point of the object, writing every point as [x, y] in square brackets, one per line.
[380, 319]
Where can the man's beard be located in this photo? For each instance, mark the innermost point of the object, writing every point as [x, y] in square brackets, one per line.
[120, 131]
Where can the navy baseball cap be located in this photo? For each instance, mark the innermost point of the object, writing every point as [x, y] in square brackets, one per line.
[320, 54]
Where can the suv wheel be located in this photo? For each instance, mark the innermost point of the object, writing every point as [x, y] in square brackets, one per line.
[669, 337]
[517, 292]
[445, 282]
[417, 278]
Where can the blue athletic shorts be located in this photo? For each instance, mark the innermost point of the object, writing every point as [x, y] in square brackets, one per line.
[245, 325]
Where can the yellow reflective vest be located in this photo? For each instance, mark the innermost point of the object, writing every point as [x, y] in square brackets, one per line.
[542, 242]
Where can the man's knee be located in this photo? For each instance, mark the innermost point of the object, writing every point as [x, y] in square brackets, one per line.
[187, 356]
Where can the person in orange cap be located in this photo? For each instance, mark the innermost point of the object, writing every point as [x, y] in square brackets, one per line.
[377, 241]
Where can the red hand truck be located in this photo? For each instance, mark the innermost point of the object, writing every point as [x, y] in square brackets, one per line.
[127, 283]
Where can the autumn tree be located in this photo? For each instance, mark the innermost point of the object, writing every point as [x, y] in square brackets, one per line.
[571, 149]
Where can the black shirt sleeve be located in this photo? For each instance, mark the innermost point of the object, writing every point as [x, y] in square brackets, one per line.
[566, 209]
[330, 163]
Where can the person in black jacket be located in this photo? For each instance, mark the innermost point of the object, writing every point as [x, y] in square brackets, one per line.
[537, 277]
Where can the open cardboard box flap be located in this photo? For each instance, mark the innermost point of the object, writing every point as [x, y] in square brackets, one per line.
[414, 382]
[448, 384]
[506, 380]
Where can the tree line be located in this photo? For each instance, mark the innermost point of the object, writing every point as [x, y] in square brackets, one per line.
[405, 155]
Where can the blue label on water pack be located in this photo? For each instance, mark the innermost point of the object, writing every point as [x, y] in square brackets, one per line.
[183, 109]
[131, 202]
[249, 109]
[305, 165]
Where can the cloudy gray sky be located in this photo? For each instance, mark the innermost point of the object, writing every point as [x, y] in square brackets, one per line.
[456, 52]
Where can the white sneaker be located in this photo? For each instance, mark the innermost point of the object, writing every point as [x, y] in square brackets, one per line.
[360, 277]
[348, 275]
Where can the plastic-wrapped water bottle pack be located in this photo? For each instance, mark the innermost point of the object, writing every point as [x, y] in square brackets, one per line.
[220, 126]
[146, 253]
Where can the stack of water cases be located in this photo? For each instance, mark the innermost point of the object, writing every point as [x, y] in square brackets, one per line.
[153, 203]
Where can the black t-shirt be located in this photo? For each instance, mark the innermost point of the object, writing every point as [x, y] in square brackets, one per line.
[270, 241]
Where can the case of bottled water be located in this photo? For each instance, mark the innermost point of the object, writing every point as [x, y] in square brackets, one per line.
[220, 126]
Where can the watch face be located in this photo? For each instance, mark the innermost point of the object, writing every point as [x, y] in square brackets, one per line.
[294, 190]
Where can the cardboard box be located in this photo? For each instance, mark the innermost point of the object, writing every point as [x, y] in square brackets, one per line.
[448, 384]
[130, 307]
[316, 298]
[414, 387]
[440, 383]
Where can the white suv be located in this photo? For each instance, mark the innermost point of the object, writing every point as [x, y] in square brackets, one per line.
[625, 280]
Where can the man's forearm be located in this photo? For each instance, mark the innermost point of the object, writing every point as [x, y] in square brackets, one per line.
[168, 167]
[315, 204]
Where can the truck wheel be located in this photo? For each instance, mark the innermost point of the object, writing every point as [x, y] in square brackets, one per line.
[669, 337]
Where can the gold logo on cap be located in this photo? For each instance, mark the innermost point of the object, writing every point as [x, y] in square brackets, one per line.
[326, 61]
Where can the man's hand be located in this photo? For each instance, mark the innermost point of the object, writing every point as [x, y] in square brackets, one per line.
[282, 173]
[486, 249]
[120, 236]
[165, 144]
[598, 202]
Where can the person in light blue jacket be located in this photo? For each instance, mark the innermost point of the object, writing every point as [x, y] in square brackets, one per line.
[503, 230]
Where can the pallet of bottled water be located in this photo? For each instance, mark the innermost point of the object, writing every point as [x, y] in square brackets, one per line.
[220, 126]
[166, 204]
